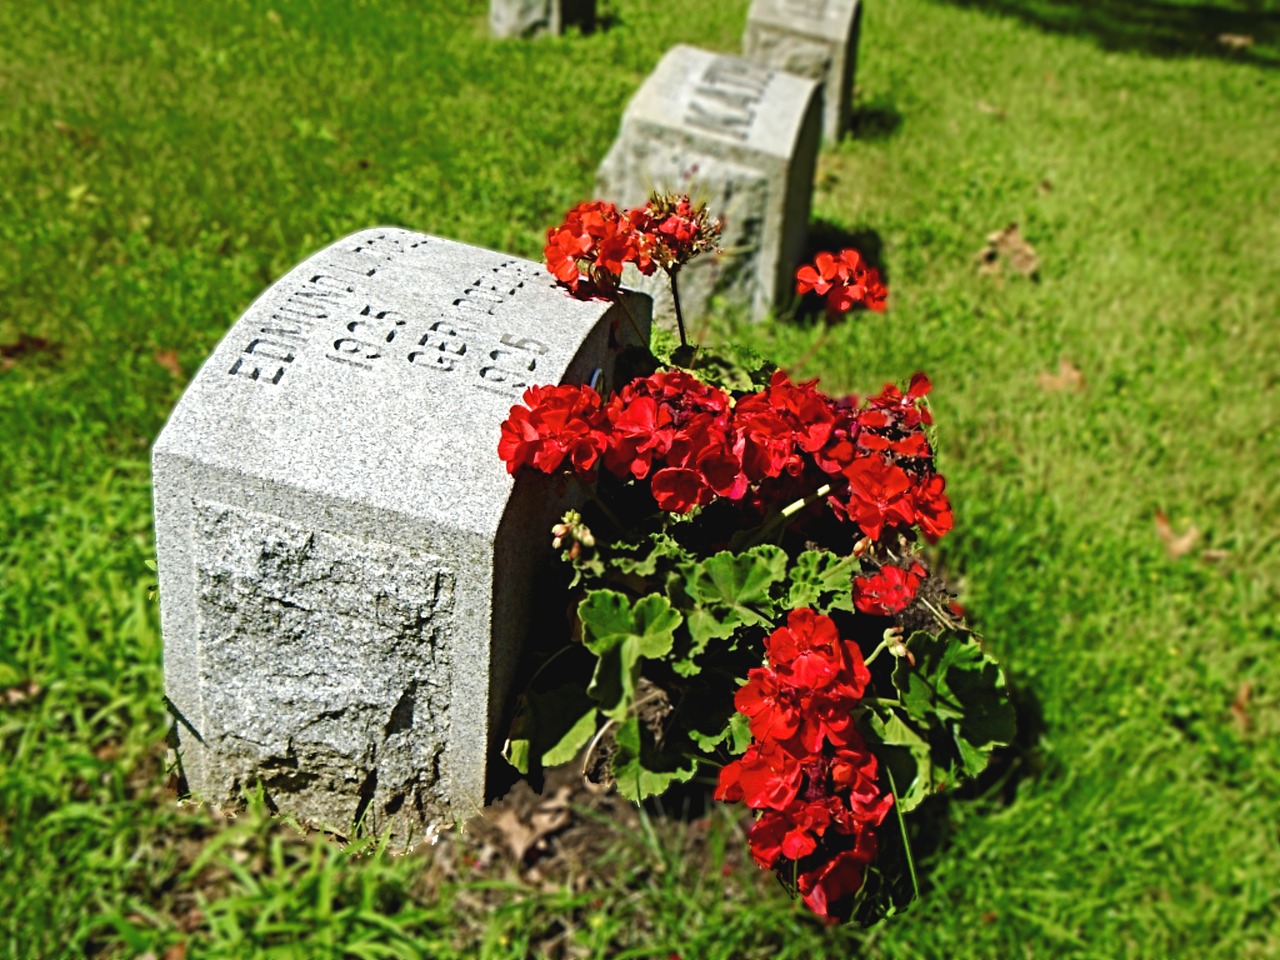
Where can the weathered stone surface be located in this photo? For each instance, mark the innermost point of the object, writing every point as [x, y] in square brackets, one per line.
[817, 39]
[741, 136]
[346, 568]
[529, 18]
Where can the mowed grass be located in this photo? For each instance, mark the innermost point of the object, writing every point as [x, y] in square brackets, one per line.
[163, 165]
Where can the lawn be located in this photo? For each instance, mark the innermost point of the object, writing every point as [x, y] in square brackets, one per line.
[1109, 427]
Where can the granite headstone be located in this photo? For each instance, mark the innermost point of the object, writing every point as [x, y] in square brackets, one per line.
[529, 18]
[817, 39]
[744, 138]
[345, 565]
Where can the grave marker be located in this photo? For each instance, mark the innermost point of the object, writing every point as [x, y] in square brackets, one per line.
[744, 138]
[528, 18]
[817, 39]
[345, 565]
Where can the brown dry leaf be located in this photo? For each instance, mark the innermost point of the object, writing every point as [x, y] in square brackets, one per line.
[997, 112]
[83, 136]
[1214, 556]
[1240, 706]
[169, 360]
[24, 345]
[1175, 545]
[1235, 41]
[522, 835]
[191, 921]
[21, 693]
[176, 952]
[1068, 377]
[1008, 247]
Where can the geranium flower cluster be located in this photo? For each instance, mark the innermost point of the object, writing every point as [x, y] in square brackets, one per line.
[808, 770]
[844, 279]
[694, 444]
[587, 252]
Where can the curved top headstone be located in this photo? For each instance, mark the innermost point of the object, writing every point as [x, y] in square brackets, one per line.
[346, 568]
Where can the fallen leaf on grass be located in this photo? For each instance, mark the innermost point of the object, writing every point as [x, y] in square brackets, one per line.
[987, 108]
[1214, 556]
[1068, 377]
[1235, 41]
[1240, 706]
[83, 136]
[522, 833]
[23, 346]
[169, 360]
[1175, 545]
[1008, 247]
[21, 693]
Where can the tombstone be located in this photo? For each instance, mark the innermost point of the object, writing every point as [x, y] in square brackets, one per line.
[528, 18]
[817, 39]
[345, 565]
[744, 138]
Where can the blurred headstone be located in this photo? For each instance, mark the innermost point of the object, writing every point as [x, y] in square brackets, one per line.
[817, 39]
[744, 138]
[529, 18]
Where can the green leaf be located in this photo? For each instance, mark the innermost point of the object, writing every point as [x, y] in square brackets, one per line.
[567, 747]
[704, 626]
[639, 771]
[736, 733]
[644, 559]
[906, 752]
[822, 580]
[956, 690]
[740, 581]
[547, 724]
[621, 634]
[724, 592]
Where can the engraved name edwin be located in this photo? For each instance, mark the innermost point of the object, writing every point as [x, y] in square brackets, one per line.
[726, 97]
[376, 333]
[275, 342]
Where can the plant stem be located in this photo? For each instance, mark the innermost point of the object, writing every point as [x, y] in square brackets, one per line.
[787, 512]
[875, 653]
[675, 299]
[902, 825]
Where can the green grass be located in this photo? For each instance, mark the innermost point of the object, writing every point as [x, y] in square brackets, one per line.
[162, 166]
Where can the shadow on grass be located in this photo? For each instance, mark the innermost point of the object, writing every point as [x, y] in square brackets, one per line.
[1244, 31]
[875, 121]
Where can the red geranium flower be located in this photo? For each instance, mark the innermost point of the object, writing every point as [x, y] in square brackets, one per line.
[889, 590]
[556, 422]
[844, 279]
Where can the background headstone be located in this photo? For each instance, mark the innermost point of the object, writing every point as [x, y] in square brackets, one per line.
[744, 138]
[345, 565]
[528, 18]
[817, 39]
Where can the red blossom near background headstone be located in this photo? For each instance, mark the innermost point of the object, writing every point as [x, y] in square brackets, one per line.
[844, 279]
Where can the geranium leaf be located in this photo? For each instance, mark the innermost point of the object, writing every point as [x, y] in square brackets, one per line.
[742, 582]
[567, 747]
[639, 771]
[957, 690]
[545, 725]
[703, 626]
[822, 580]
[644, 559]
[620, 633]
